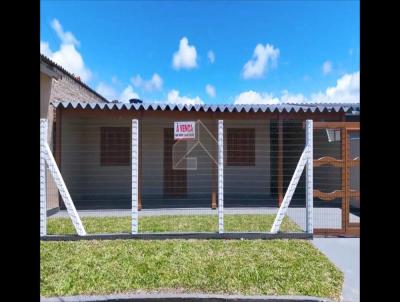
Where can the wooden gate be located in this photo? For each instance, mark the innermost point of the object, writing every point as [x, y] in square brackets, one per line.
[337, 153]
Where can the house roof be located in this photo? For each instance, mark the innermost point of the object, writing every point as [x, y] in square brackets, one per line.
[304, 107]
[59, 68]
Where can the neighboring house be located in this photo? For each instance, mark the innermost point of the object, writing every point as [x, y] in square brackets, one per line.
[57, 84]
[262, 145]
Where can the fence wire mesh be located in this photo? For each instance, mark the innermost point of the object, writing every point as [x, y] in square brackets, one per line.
[178, 179]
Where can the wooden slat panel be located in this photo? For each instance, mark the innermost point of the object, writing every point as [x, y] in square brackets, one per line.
[333, 125]
[353, 162]
[354, 194]
[349, 232]
[328, 160]
[347, 228]
[345, 187]
[328, 196]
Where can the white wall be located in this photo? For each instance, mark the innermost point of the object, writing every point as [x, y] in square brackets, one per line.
[249, 180]
[80, 160]
[86, 178]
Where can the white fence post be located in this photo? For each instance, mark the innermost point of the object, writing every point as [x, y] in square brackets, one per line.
[220, 176]
[290, 191]
[135, 173]
[43, 179]
[62, 188]
[309, 177]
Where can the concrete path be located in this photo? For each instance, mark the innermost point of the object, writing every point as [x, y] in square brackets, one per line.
[345, 254]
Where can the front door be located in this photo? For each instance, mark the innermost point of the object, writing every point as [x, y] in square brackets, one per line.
[337, 178]
[175, 180]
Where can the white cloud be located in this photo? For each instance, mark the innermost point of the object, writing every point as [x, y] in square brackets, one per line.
[67, 56]
[128, 94]
[264, 58]
[107, 91]
[327, 67]
[347, 90]
[252, 97]
[173, 97]
[287, 97]
[186, 56]
[45, 49]
[210, 90]
[155, 83]
[211, 56]
[65, 37]
[111, 94]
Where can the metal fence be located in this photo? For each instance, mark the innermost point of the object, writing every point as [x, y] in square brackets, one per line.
[116, 176]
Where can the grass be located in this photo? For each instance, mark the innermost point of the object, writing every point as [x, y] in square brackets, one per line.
[189, 223]
[250, 267]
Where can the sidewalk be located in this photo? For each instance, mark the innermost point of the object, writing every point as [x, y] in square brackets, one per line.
[345, 254]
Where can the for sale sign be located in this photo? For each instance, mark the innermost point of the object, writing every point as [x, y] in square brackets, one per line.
[184, 130]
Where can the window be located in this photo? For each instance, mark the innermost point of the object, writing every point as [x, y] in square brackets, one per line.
[115, 146]
[241, 147]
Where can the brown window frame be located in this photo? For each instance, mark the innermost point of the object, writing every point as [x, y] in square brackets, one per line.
[115, 146]
[241, 147]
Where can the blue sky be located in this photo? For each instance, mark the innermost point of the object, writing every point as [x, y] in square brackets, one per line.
[264, 51]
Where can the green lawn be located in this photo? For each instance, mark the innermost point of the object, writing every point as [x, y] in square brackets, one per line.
[250, 267]
[192, 223]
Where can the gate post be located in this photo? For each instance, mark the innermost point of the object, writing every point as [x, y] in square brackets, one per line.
[135, 173]
[309, 177]
[220, 176]
[43, 180]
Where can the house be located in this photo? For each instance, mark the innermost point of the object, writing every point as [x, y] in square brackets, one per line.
[262, 145]
[58, 84]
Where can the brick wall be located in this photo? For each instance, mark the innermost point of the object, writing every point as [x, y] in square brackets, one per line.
[66, 89]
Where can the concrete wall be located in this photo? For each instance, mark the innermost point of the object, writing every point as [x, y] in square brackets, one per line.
[45, 91]
[199, 181]
[253, 180]
[249, 181]
[46, 111]
[152, 156]
[51, 89]
[90, 183]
